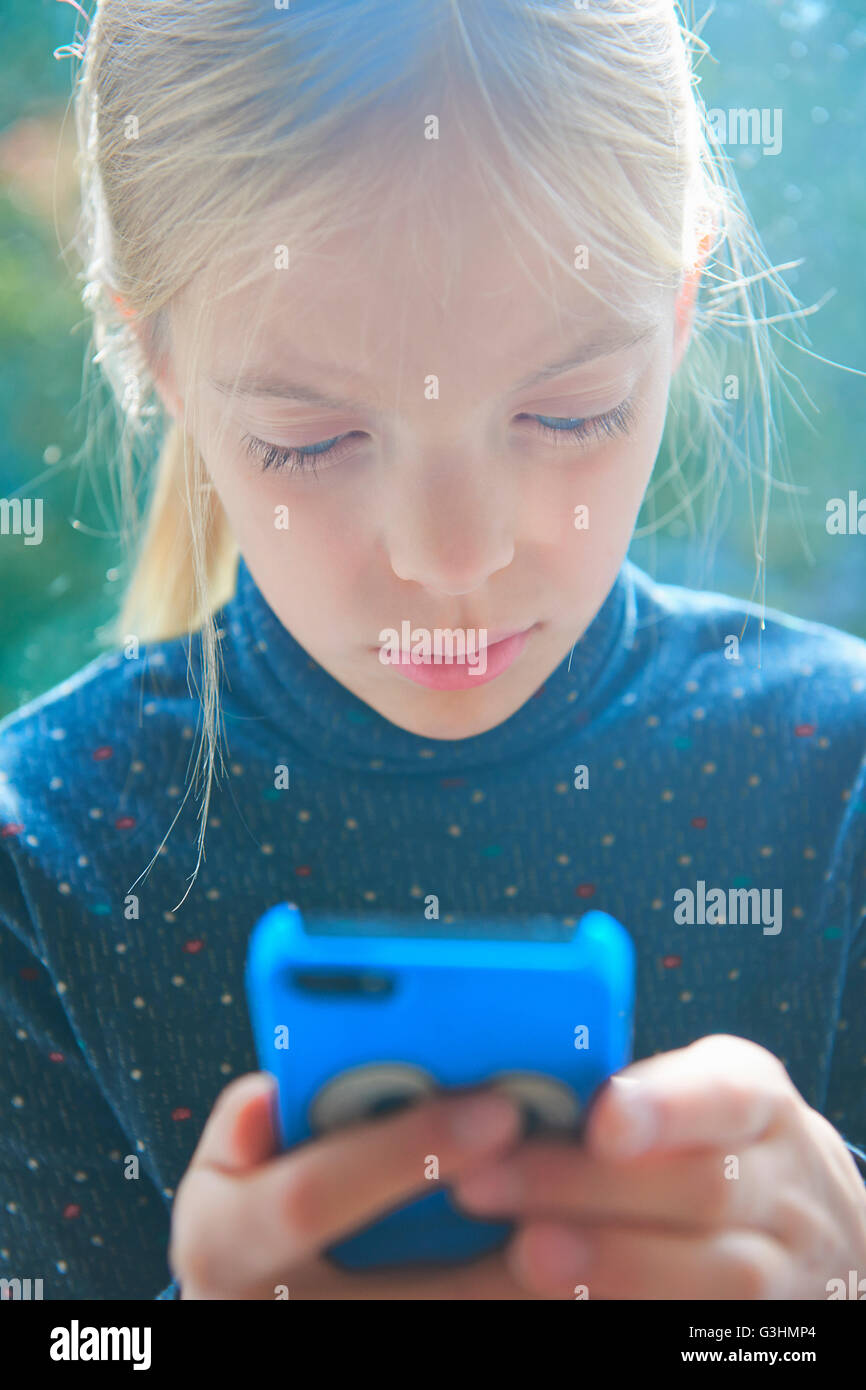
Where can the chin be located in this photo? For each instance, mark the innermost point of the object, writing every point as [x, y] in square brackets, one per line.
[451, 718]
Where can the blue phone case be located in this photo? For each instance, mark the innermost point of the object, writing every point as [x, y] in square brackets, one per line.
[358, 1015]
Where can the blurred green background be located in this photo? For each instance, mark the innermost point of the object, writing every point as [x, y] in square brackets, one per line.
[807, 57]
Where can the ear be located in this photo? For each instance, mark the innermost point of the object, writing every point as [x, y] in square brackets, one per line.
[164, 383]
[684, 308]
[161, 370]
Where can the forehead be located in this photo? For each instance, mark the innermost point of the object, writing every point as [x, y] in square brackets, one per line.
[450, 286]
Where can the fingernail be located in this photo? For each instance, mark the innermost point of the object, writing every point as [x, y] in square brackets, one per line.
[480, 1121]
[565, 1255]
[637, 1127]
[492, 1189]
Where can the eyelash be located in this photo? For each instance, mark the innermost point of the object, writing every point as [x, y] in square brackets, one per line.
[303, 460]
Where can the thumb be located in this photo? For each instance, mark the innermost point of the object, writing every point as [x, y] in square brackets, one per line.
[240, 1132]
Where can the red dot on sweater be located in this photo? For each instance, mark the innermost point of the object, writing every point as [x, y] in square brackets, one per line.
[699, 822]
[71, 1211]
[11, 828]
[804, 730]
[671, 962]
[181, 1113]
[56, 1057]
[100, 754]
[29, 973]
[452, 781]
[192, 947]
[584, 890]
[303, 871]
[124, 822]
[539, 692]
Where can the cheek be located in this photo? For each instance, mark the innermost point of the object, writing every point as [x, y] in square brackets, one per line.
[583, 517]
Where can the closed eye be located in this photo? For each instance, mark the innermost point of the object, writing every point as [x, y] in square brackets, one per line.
[561, 430]
[299, 459]
[557, 430]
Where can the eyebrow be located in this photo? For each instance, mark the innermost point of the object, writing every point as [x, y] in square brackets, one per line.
[262, 384]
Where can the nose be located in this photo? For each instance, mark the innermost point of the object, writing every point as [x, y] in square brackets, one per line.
[449, 528]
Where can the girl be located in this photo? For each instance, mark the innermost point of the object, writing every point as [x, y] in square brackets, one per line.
[411, 286]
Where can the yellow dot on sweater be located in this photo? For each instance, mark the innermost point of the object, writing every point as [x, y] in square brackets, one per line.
[766, 851]
[708, 768]
[667, 794]
[454, 830]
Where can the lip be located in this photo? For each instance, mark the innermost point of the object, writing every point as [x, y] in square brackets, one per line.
[462, 675]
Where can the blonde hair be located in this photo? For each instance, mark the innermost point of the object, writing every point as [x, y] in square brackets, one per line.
[194, 119]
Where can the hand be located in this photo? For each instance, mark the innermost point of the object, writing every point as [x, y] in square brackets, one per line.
[248, 1219]
[703, 1175]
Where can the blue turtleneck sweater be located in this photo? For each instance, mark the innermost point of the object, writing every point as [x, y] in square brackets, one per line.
[122, 1018]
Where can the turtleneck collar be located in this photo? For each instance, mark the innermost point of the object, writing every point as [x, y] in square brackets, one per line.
[271, 671]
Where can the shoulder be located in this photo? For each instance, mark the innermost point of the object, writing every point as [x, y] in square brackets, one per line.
[751, 675]
[696, 627]
[68, 753]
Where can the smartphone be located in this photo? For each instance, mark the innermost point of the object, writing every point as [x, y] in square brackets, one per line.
[357, 1016]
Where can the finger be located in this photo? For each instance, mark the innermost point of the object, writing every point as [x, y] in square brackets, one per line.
[489, 1278]
[701, 1189]
[610, 1262]
[719, 1091]
[239, 1132]
[301, 1202]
